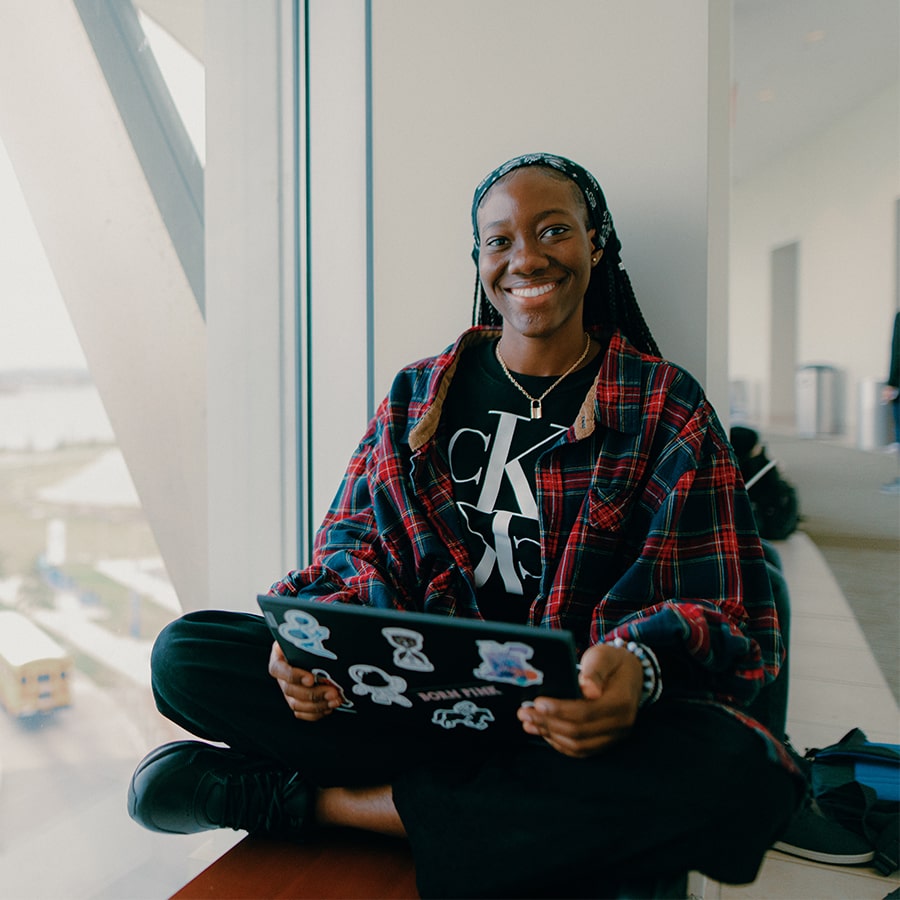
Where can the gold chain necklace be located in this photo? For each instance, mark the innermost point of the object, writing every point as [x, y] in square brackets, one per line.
[536, 411]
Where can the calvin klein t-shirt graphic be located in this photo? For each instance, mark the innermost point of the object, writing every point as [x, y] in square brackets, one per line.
[492, 446]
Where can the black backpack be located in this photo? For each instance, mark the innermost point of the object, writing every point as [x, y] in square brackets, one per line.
[856, 782]
[776, 506]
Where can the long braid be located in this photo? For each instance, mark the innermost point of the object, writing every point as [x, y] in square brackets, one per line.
[633, 323]
[483, 311]
[476, 301]
[610, 300]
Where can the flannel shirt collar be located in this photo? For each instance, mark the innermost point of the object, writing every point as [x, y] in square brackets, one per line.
[614, 399]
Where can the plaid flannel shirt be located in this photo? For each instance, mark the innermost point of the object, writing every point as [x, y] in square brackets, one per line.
[647, 531]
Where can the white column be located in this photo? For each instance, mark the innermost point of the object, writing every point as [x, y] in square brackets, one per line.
[253, 281]
[338, 215]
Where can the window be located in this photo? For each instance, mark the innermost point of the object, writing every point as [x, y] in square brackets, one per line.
[78, 559]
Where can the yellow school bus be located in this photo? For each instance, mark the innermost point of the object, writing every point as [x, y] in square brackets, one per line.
[34, 670]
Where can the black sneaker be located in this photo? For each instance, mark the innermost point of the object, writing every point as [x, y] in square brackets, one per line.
[812, 836]
[189, 786]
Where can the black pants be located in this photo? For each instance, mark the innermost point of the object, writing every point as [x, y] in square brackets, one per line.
[691, 788]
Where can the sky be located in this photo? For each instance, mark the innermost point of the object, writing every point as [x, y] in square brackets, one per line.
[35, 329]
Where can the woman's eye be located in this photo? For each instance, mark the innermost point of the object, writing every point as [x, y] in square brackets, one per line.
[555, 231]
[495, 242]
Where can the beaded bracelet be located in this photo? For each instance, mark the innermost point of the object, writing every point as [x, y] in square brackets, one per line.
[652, 686]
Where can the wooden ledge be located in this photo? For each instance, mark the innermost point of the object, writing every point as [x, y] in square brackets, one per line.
[336, 865]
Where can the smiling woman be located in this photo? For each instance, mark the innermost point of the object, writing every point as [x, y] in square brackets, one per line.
[571, 480]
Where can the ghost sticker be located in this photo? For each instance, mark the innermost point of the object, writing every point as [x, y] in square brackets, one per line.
[408, 653]
[322, 677]
[305, 632]
[463, 713]
[384, 689]
[508, 663]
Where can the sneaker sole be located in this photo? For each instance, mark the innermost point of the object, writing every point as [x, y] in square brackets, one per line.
[835, 859]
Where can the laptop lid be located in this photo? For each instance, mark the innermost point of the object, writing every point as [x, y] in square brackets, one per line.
[419, 671]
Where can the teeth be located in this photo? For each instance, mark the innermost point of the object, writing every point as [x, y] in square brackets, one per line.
[532, 291]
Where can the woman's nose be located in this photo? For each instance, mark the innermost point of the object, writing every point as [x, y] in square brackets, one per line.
[528, 257]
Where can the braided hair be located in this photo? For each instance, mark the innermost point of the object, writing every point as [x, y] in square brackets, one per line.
[609, 298]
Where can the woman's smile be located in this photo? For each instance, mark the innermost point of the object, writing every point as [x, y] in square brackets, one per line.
[527, 293]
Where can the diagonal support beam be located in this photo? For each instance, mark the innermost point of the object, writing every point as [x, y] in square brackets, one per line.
[162, 144]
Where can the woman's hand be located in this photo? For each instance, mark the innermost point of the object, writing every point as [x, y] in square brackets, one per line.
[307, 699]
[611, 679]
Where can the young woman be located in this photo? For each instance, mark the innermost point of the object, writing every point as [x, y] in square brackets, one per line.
[551, 469]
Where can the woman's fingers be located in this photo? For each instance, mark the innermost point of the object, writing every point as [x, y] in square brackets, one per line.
[307, 699]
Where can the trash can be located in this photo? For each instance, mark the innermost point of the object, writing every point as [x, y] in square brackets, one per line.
[874, 421]
[819, 401]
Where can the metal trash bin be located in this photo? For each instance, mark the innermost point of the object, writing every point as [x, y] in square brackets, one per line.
[819, 401]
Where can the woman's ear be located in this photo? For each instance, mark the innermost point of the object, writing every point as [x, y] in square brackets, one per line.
[596, 256]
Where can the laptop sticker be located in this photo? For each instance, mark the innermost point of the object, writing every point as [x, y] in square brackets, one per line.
[463, 713]
[322, 677]
[383, 688]
[408, 653]
[508, 663]
[305, 632]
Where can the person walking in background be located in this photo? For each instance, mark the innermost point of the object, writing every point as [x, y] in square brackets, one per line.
[891, 394]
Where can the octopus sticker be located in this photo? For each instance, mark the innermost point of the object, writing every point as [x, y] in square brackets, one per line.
[322, 677]
[508, 663]
[408, 652]
[384, 689]
[463, 713]
[305, 632]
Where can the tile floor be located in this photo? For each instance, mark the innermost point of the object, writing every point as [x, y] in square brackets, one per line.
[835, 686]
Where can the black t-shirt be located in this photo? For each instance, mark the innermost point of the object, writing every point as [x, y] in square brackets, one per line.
[492, 445]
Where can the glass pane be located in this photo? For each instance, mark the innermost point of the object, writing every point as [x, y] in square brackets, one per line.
[80, 565]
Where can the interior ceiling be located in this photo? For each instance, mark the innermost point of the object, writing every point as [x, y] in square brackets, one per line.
[798, 65]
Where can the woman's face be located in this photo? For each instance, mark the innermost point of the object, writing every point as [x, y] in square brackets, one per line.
[535, 259]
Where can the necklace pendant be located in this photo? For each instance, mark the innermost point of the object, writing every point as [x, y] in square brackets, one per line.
[536, 411]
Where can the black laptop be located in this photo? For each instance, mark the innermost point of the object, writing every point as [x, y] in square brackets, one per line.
[422, 671]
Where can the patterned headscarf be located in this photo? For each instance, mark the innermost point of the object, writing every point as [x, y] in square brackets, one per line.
[599, 216]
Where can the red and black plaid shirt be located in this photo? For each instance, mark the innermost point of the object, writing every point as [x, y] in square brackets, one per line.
[646, 529]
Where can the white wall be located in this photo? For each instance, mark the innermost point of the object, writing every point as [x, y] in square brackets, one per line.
[836, 196]
[637, 91]
[622, 87]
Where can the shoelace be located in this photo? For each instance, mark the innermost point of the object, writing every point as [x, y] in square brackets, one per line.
[257, 801]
